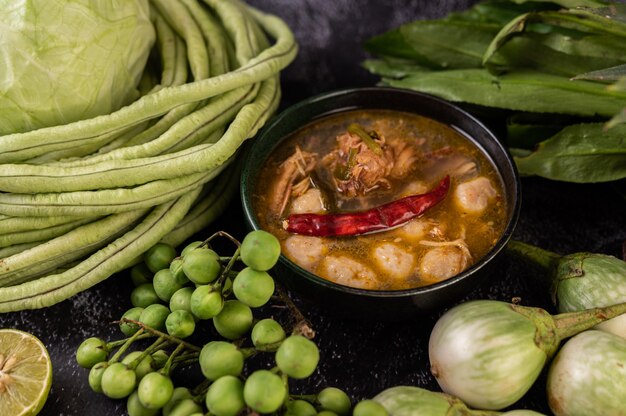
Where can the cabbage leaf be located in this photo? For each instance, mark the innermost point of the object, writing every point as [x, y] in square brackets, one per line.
[68, 60]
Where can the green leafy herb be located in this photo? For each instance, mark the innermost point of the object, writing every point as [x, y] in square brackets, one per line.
[579, 153]
[368, 138]
[565, 59]
[607, 74]
[520, 90]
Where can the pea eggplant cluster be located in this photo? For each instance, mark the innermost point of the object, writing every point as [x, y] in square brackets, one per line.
[175, 296]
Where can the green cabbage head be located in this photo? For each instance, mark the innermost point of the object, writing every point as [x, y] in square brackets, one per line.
[67, 60]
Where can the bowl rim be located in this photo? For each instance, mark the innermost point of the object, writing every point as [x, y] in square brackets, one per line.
[450, 107]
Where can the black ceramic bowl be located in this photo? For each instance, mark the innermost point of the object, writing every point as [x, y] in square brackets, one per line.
[392, 304]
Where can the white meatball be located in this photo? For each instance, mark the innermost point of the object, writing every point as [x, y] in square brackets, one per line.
[309, 202]
[348, 272]
[473, 196]
[304, 250]
[416, 229]
[442, 262]
[414, 188]
[394, 260]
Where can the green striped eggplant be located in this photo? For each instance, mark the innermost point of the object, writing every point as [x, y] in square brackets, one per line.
[489, 353]
[416, 401]
[580, 281]
[588, 376]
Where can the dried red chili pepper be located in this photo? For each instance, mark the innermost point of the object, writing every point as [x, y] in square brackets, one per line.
[375, 219]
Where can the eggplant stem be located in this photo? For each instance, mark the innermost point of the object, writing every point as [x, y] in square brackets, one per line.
[572, 323]
[546, 260]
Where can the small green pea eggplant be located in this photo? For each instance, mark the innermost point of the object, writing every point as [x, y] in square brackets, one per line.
[580, 281]
[410, 401]
[588, 376]
[489, 353]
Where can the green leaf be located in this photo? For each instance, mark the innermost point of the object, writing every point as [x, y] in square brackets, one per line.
[619, 118]
[567, 3]
[393, 44]
[498, 11]
[619, 85]
[587, 46]
[530, 52]
[436, 43]
[525, 136]
[520, 90]
[605, 20]
[610, 19]
[513, 28]
[606, 74]
[392, 67]
[582, 153]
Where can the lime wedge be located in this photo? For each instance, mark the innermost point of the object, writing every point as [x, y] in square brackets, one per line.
[25, 373]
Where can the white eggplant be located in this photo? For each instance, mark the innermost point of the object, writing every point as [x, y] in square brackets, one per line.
[588, 376]
[416, 401]
[581, 280]
[489, 353]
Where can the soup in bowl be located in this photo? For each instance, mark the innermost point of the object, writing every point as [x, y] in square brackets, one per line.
[379, 194]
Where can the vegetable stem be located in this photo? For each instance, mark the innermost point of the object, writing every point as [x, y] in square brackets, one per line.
[572, 323]
[544, 259]
[125, 346]
[302, 326]
[168, 364]
[163, 335]
[366, 137]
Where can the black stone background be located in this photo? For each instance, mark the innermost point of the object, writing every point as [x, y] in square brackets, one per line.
[362, 357]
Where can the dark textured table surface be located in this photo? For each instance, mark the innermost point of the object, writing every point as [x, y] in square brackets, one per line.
[362, 357]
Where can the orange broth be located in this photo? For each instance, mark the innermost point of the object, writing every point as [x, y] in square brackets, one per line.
[444, 241]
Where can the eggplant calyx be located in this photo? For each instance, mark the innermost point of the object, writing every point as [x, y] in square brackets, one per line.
[546, 331]
[572, 266]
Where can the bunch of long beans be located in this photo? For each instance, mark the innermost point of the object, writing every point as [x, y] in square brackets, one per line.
[84, 200]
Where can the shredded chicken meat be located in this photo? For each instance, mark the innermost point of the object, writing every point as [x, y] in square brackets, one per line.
[293, 178]
[359, 167]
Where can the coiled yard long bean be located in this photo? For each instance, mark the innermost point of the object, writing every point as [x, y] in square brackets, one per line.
[106, 189]
[9, 224]
[68, 247]
[124, 173]
[99, 265]
[208, 208]
[269, 62]
[212, 116]
[26, 236]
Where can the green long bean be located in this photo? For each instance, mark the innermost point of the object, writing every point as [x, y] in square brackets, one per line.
[179, 19]
[10, 224]
[18, 248]
[105, 201]
[218, 112]
[259, 68]
[71, 246]
[124, 173]
[208, 208]
[83, 148]
[28, 236]
[52, 289]
[172, 58]
[81, 201]
[214, 36]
